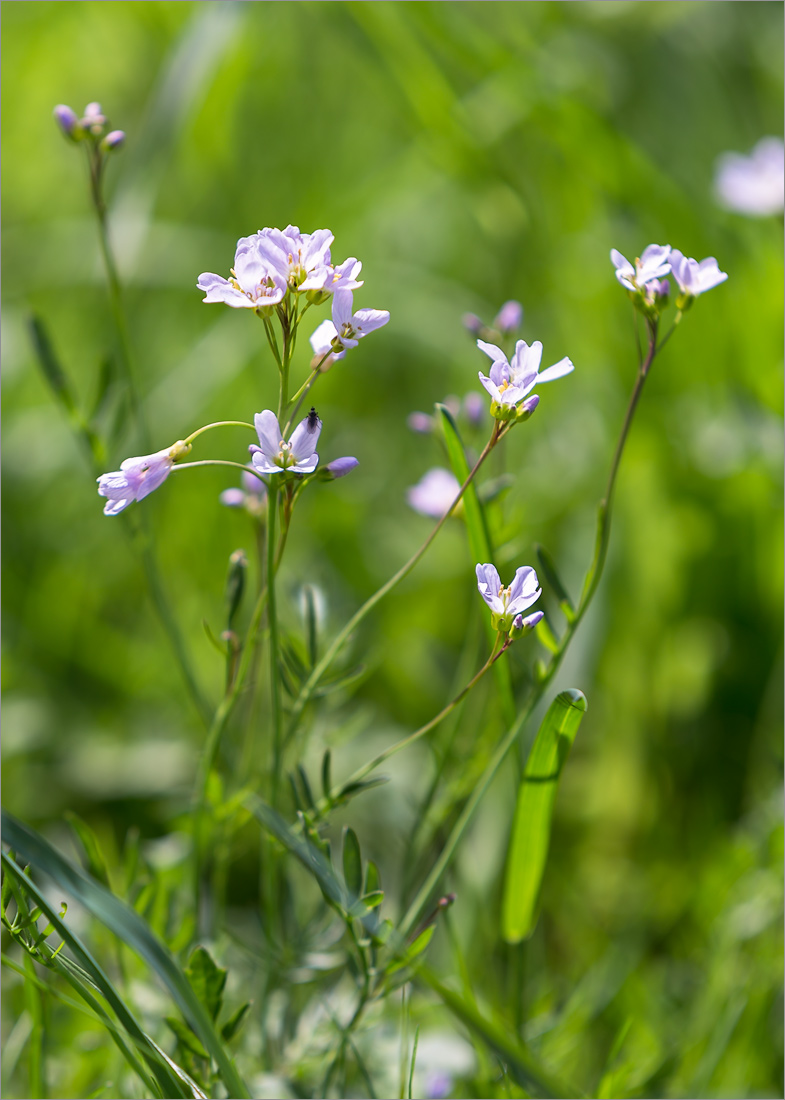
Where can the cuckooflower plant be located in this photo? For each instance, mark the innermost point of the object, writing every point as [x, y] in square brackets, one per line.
[510, 382]
[274, 455]
[507, 604]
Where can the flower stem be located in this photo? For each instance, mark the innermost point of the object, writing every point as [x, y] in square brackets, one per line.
[361, 772]
[342, 637]
[219, 424]
[272, 621]
[589, 588]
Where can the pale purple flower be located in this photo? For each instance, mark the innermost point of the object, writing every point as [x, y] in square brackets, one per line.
[507, 603]
[302, 260]
[473, 323]
[434, 492]
[275, 455]
[473, 408]
[695, 278]
[420, 422]
[134, 480]
[94, 118]
[344, 276]
[509, 317]
[66, 120]
[753, 185]
[252, 284]
[346, 328]
[251, 497]
[511, 382]
[652, 264]
[438, 1085]
[322, 342]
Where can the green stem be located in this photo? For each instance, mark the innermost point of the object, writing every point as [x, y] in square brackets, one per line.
[272, 621]
[299, 397]
[361, 772]
[590, 587]
[341, 638]
[219, 424]
[219, 462]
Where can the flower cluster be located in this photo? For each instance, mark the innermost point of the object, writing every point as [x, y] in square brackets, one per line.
[644, 280]
[91, 126]
[273, 261]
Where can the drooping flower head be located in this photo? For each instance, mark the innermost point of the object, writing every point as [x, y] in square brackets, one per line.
[434, 492]
[652, 264]
[137, 477]
[695, 278]
[510, 382]
[274, 455]
[347, 328]
[507, 604]
[753, 185]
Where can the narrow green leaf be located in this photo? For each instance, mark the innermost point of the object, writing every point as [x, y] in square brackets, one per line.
[306, 852]
[306, 787]
[125, 923]
[479, 545]
[311, 633]
[520, 1064]
[234, 1023]
[326, 776]
[96, 864]
[552, 577]
[186, 1036]
[372, 899]
[5, 891]
[50, 364]
[373, 880]
[413, 950]
[531, 828]
[207, 980]
[352, 863]
[352, 789]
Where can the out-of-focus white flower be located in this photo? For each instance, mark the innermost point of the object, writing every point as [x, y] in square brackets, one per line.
[753, 185]
[434, 492]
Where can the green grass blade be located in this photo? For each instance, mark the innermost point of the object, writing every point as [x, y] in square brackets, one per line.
[129, 927]
[520, 1064]
[479, 545]
[167, 1080]
[532, 823]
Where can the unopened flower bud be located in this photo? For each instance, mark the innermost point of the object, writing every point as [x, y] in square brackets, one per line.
[67, 121]
[113, 140]
[339, 467]
[509, 317]
[523, 624]
[473, 323]
[527, 407]
[420, 422]
[235, 585]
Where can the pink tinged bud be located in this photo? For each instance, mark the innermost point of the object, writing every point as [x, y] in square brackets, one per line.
[340, 467]
[509, 317]
[420, 422]
[66, 119]
[113, 140]
[472, 322]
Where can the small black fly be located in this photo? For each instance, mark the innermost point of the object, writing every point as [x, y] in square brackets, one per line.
[313, 419]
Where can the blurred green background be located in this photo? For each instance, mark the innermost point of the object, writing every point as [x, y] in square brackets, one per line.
[468, 153]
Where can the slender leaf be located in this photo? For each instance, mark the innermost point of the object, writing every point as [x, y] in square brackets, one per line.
[479, 544]
[207, 980]
[128, 926]
[352, 863]
[185, 1036]
[552, 577]
[233, 1024]
[96, 864]
[532, 823]
[326, 777]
